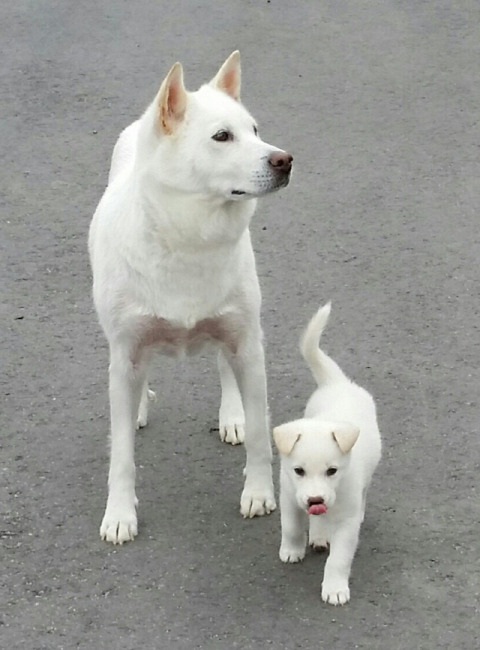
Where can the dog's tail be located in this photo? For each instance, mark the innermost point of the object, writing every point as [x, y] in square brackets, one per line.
[324, 369]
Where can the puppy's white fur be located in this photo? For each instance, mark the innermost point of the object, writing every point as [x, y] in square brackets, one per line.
[173, 269]
[327, 458]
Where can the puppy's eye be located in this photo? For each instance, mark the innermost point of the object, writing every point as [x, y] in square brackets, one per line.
[331, 471]
[255, 130]
[222, 136]
[299, 471]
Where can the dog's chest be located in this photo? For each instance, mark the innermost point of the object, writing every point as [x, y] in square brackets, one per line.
[168, 338]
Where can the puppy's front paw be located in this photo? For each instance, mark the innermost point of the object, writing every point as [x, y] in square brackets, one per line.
[291, 553]
[335, 592]
[119, 526]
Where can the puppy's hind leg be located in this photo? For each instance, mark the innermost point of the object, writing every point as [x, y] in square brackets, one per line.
[231, 416]
[317, 535]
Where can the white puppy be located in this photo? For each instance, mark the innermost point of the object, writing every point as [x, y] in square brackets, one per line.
[173, 269]
[327, 462]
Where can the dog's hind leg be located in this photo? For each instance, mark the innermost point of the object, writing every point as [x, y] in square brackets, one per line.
[125, 385]
[231, 415]
[146, 397]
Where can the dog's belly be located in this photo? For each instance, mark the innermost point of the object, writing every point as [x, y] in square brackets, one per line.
[167, 338]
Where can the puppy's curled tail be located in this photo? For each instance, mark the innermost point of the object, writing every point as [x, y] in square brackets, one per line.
[324, 369]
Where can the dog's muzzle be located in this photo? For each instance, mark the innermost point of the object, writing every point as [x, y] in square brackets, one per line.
[278, 176]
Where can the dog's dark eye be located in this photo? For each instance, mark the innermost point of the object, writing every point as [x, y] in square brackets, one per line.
[255, 130]
[331, 471]
[222, 136]
[299, 471]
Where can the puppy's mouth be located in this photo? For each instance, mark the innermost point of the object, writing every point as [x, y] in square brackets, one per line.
[238, 192]
[316, 506]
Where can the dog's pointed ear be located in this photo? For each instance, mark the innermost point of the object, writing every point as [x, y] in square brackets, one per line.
[285, 437]
[171, 100]
[228, 78]
[345, 435]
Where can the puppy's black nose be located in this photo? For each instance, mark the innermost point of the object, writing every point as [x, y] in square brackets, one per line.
[281, 161]
[315, 500]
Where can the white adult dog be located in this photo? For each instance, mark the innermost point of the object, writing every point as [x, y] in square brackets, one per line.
[327, 462]
[173, 269]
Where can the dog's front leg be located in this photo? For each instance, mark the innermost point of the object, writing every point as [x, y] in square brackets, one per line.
[343, 544]
[231, 418]
[248, 364]
[125, 385]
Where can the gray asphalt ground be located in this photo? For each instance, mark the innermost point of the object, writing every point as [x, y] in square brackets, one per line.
[378, 101]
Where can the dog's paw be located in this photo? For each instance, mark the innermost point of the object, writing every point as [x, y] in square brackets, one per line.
[119, 527]
[142, 419]
[231, 416]
[291, 553]
[232, 432]
[255, 504]
[335, 593]
[151, 395]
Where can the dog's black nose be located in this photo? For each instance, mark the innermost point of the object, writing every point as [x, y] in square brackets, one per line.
[281, 161]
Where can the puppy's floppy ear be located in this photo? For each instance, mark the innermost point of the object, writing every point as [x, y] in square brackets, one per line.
[228, 78]
[171, 100]
[345, 435]
[285, 437]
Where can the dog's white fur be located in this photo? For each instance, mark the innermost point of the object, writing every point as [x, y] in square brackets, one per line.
[339, 432]
[173, 269]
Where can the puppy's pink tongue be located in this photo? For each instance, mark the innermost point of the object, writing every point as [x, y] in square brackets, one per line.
[317, 509]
